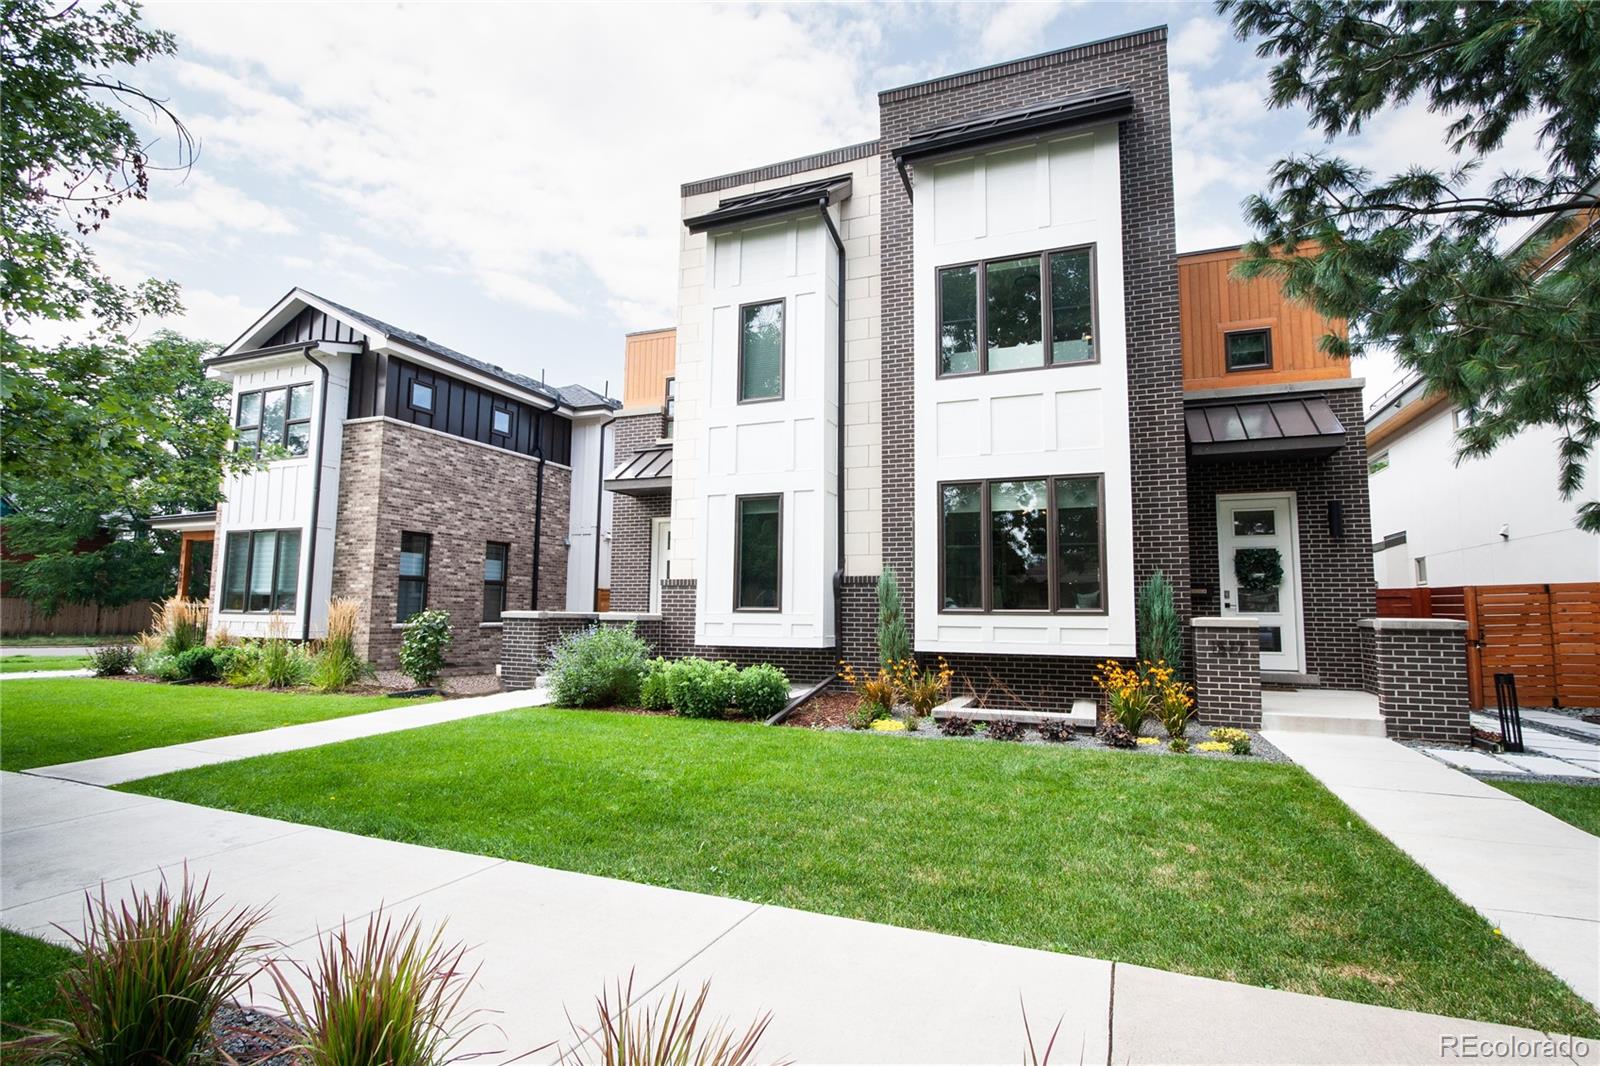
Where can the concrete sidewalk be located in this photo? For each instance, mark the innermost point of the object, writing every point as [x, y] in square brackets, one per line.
[1531, 874]
[549, 941]
[55, 651]
[133, 765]
[44, 675]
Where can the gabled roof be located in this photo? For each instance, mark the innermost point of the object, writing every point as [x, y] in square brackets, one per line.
[1080, 109]
[770, 202]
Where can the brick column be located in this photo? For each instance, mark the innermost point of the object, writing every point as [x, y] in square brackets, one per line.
[1227, 671]
[1418, 668]
[526, 637]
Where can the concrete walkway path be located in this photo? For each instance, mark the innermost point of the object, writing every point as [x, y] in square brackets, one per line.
[53, 652]
[1531, 874]
[116, 769]
[549, 941]
[44, 675]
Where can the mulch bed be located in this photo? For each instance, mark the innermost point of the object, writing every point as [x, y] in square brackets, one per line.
[825, 710]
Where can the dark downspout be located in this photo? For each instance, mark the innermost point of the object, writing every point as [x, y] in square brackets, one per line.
[316, 494]
[838, 575]
[538, 521]
[599, 510]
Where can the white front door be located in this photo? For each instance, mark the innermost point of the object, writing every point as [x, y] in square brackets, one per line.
[1256, 536]
[660, 545]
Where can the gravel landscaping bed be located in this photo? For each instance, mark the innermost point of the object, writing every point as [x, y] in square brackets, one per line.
[255, 1038]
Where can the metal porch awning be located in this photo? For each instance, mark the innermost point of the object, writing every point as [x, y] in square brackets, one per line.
[1289, 425]
[647, 473]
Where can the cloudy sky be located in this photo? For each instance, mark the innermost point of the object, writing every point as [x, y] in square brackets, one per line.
[503, 178]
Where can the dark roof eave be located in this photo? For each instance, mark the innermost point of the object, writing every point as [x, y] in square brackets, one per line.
[261, 353]
[1268, 448]
[653, 486]
[806, 197]
[1092, 109]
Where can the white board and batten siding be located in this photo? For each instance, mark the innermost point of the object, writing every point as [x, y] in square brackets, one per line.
[1053, 421]
[786, 446]
[278, 496]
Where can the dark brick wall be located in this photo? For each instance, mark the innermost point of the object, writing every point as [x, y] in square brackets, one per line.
[1336, 581]
[1137, 62]
[1227, 675]
[396, 478]
[631, 515]
[1419, 667]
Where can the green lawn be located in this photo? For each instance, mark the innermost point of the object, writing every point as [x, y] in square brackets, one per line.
[1577, 804]
[1244, 871]
[43, 722]
[28, 972]
[66, 640]
[16, 664]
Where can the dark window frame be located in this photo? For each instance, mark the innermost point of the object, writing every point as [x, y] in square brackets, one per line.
[1052, 548]
[1047, 310]
[288, 406]
[505, 577]
[669, 406]
[495, 411]
[738, 551]
[783, 352]
[427, 572]
[411, 395]
[249, 536]
[1227, 356]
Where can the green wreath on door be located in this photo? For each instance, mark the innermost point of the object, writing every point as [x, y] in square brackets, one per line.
[1258, 569]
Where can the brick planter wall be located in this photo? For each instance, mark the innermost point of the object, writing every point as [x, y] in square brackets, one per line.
[1227, 671]
[1418, 667]
[529, 634]
[803, 665]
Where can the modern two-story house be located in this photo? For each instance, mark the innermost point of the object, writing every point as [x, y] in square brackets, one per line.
[968, 351]
[402, 474]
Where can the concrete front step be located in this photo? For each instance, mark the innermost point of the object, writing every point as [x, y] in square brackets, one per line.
[1358, 725]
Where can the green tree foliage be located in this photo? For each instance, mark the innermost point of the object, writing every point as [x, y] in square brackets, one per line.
[894, 642]
[1160, 630]
[1419, 261]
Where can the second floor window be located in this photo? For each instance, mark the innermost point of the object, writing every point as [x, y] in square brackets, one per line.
[261, 571]
[500, 422]
[1018, 313]
[669, 408]
[1249, 349]
[761, 351]
[758, 553]
[496, 557]
[275, 418]
[412, 597]
[1027, 544]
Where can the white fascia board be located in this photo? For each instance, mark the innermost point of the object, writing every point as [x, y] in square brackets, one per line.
[286, 309]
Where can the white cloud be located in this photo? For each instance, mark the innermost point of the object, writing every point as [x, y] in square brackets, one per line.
[1197, 43]
[198, 204]
[1011, 29]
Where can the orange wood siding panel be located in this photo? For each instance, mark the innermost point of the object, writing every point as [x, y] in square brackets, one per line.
[648, 362]
[1212, 303]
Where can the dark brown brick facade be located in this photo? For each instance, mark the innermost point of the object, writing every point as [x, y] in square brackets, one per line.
[631, 516]
[1155, 369]
[1336, 582]
[1227, 674]
[1418, 668]
[396, 478]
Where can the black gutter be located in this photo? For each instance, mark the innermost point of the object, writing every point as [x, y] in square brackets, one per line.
[838, 575]
[316, 491]
[599, 509]
[258, 353]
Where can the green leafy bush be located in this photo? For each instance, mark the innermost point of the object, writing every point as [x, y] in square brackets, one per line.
[761, 691]
[238, 667]
[113, 660]
[601, 666]
[422, 648]
[159, 665]
[700, 688]
[653, 694]
[866, 713]
[198, 664]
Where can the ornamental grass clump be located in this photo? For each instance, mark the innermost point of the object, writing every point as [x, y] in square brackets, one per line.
[1171, 700]
[391, 996]
[1127, 698]
[336, 665]
[176, 625]
[875, 695]
[674, 1032]
[151, 975]
[919, 689]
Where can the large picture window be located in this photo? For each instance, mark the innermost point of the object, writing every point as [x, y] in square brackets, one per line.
[496, 557]
[261, 571]
[1023, 544]
[996, 315]
[274, 418]
[412, 597]
[758, 553]
[761, 351]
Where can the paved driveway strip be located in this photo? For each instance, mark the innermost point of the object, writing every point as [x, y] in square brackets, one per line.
[1534, 876]
[549, 941]
[134, 765]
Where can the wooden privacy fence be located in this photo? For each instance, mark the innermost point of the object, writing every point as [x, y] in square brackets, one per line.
[1547, 635]
[19, 618]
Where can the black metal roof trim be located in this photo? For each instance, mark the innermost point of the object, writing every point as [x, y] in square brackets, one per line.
[769, 202]
[1097, 106]
[832, 157]
[646, 472]
[1299, 425]
[1072, 53]
[260, 353]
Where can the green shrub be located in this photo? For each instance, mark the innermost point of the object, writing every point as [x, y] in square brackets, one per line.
[198, 664]
[282, 664]
[865, 714]
[653, 695]
[894, 643]
[238, 665]
[152, 973]
[699, 688]
[761, 691]
[159, 665]
[601, 666]
[113, 660]
[1160, 629]
[422, 648]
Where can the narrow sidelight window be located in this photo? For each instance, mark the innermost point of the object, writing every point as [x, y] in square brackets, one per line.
[413, 594]
[958, 320]
[261, 571]
[495, 558]
[1071, 307]
[1249, 350]
[1019, 525]
[761, 351]
[961, 527]
[758, 553]
[1013, 314]
[1078, 544]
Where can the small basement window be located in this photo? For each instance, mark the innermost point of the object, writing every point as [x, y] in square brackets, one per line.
[1249, 349]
